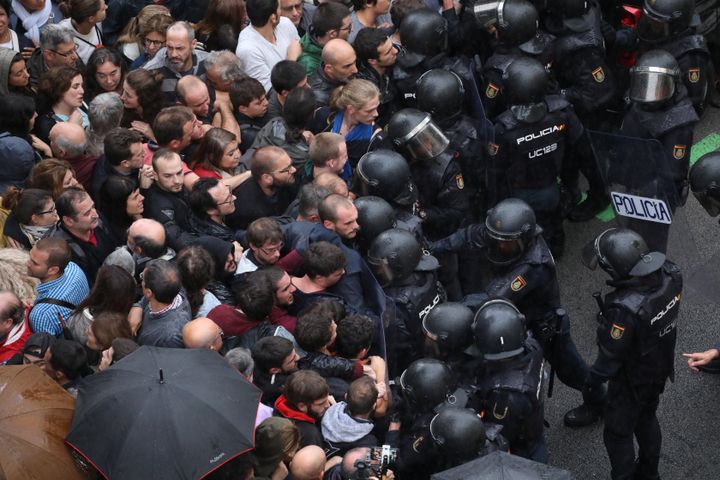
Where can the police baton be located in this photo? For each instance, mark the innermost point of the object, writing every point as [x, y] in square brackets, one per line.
[559, 314]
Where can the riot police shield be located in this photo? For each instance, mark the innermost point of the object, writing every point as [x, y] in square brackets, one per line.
[638, 177]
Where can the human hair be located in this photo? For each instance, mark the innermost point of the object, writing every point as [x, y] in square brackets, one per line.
[354, 333]
[271, 352]
[24, 203]
[200, 199]
[184, 26]
[328, 17]
[98, 57]
[286, 74]
[260, 11]
[15, 310]
[212, 147]
[117, 144]
[255, 296]
[17, 111]
[305, 386]
[152, 18]
[58, 251]
[264, 160]
[362, 4]
[241, 360]
[65, 202]
[222, 12]
[229, 65]
[6, 5]
[79, 10]
[147, 86]
[314, 328]
[245, 90]
[263, 230]
[168, 124]
[112, 200]
[163, 279]
[400, 8]
[361, 396]
[107, 326]
[276, 438]
[49, 175]
[367, 42]
[149, 246]
[298, 112]
[325, 146]
[323, 259]
[105, 112]
[68, 357]
[163, 154]
[196, 267]
[328, 209]
[70, 149]
[113, 291]
[356, 93]
[309, 199]
[53, 34]
[53, 85]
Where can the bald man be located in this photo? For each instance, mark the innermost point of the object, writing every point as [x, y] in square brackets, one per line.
[337, 68]
[192, 92]
[68, 142]
[333, 183]
[308, 463]
[202, 333]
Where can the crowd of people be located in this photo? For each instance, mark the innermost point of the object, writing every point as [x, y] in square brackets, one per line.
[359, 205]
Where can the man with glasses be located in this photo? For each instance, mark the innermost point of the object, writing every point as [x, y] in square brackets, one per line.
[265, 241]
[57, 49]
[210, 201]
[331, 20]
[269, 190]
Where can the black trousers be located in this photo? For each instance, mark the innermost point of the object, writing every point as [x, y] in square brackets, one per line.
[631, 412]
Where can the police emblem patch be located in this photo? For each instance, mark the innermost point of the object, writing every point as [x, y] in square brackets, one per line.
[493, 148]
[599, 75]
[617, 332]
[694, 75]
[492, 90]
[459, 181]
[518, 283]
[679, 152]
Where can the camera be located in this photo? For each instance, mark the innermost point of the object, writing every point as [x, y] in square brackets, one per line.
[376, 463]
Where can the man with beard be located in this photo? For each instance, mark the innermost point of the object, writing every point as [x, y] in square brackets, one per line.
[275, 359]
[210, 201]
[304, 400]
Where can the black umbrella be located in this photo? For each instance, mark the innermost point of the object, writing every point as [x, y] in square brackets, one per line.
[164, 413]
[503, 466]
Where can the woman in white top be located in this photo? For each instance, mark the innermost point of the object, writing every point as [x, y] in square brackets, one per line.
[83, 19]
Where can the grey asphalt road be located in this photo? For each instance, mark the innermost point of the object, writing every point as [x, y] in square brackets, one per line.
[688, 410]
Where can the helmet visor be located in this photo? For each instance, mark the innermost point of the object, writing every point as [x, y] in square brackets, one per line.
[503, 252]
[381, 269]
[426, 140]
[651, 84]
[708, 202]
[589, 254]
[486, 12]
[652, 29]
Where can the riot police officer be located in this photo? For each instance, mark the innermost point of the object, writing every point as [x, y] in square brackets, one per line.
[532, 139]
[661, 110]
[375, 215]
[509, 392]
[524, 273]
[441, 186]
[409, 278]
[448, 332]
[636, 339]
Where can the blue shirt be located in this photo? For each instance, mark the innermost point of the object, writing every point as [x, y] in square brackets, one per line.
[71, 287]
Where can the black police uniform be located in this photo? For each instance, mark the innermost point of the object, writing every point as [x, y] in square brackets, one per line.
[510, 394]
[469, 149]
[636, 339]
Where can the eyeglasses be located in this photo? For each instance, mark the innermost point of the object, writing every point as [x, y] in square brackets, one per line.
[153, 43]
[273, 250]
[52, 210]
[72, 52]
[229, 199]
[346, 29]
[287, 169]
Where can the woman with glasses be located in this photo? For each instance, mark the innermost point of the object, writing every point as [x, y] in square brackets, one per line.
[144, 35]
[121, 203]
[221, 25]
[83, 19]
[60, 99]
[32, 213]
[104, 73]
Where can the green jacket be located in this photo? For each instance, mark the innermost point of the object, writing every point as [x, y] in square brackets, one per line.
[311, 55]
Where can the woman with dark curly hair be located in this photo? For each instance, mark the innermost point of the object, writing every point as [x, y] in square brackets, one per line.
[32, 213]
[121, 203]
[221, 25]
[142, 98]
[54, 176]
[60, 99]
[104, 73]
[197, 268]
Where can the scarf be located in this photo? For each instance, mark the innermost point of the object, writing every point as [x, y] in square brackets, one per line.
[34, 233]
[287, 411]
[32, 21]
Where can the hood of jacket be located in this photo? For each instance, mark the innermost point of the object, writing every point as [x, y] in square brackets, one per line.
[6, 56]
[339, 427]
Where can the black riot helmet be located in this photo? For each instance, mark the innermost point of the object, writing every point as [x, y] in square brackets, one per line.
[395, 254]
[450, 325]
[576, 15]
[622, 253]
[511, 228]
[516, 21]
[414, 133]
[663, 19]
[424, 33]
[426, 383]
[441, 94]
[375, 215]
[459, 432]
[654, 78]
[499, 330]
[385, 173]
[705, 182]
[526, 82]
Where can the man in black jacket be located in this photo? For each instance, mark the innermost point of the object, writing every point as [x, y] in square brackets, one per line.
[210, 201]
[376, 56]
[336, 69]
[304, 400]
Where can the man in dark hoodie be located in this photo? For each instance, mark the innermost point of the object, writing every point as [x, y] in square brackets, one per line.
[305, 399]
[275, 359]
[223, 253]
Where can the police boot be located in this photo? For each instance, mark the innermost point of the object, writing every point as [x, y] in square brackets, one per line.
[585, 211]
[712, 367]
[582, 416]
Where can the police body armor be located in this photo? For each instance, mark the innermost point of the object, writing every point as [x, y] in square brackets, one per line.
[492, 75]
[693, 57]
[410, 222]
[656, 314]
[408, 70]
[469, 151]
[525, 377]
